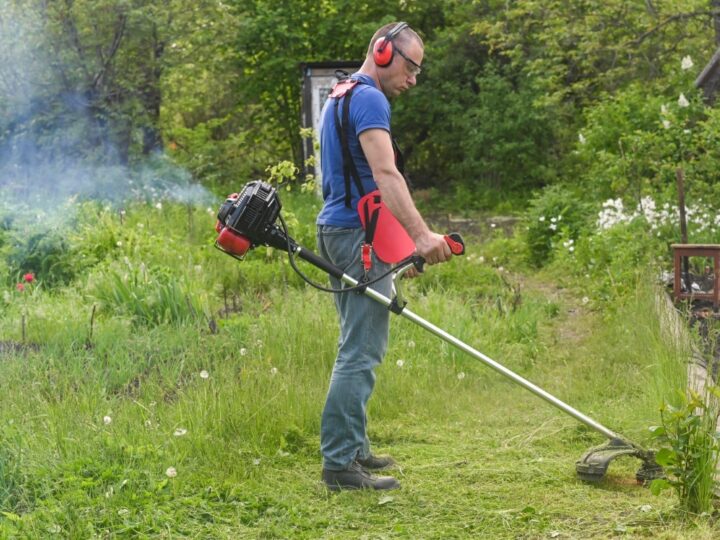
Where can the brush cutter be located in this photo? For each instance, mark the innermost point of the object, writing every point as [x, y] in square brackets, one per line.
[249, 219]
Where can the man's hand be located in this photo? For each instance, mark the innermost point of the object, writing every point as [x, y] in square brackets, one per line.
[433, 248]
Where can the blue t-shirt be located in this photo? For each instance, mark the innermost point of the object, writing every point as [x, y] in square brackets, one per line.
[369, 108]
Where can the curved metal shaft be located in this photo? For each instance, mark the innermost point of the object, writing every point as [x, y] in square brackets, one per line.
[452, 340]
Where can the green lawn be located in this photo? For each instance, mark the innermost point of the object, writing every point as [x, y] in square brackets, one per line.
[168, 430]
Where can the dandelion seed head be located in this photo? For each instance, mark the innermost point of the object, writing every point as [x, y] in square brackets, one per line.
[204, 374]
[179, 432]
[171, 472]
[461, 375]
[400, 363]
[107, 420]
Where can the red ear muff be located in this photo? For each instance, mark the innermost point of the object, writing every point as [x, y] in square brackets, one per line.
[383, 52]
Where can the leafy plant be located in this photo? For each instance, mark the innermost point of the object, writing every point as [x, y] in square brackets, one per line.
[691, 449]
[554, 214]
[150, 297]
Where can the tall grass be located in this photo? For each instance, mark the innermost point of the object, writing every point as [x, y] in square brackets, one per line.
[98, 416]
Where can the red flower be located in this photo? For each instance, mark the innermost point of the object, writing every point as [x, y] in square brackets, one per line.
[20, 287]
[29, 277]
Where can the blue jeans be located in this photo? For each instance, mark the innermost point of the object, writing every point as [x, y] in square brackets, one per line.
[364, 327]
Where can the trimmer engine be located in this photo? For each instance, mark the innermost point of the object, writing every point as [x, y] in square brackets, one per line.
[247, 220]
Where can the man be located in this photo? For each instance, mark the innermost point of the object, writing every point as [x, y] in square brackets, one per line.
[360, 113]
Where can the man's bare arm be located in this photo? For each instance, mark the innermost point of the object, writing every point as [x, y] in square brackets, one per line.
[377, 146]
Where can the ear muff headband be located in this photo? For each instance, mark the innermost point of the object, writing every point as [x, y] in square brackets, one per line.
[383, 50]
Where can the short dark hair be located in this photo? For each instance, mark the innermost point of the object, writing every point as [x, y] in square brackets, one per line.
[403, 38]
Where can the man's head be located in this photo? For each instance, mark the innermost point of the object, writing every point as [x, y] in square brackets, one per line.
[397, 53]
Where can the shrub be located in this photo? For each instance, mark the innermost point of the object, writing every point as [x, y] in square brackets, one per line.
[556, 213]
[149, 296]
[691, 449]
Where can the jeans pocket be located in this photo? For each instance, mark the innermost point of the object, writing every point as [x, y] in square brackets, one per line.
[339, 245]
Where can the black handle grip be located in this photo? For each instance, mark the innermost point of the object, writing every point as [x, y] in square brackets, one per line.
[456, 243]
[457, 246]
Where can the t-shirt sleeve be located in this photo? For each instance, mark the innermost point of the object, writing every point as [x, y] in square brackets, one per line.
[370, 109]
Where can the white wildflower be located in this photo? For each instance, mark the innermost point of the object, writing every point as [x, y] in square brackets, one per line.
[107, 420]
[118, 243]
[243, 351]
[256, 461]
[493, 225]
[663, 109]
[501, 269]
[666, 124]
[204, 374]
[581, 138]
[686, 63]
[159, 206]
[274, 371]
[400, 363]
[179, 432]
[541, 218]
[682, 101]
[481, 259]
[585, 299]
[553, 227]
[461, 375]
[411, 344]
[171, 472]
[571, 249]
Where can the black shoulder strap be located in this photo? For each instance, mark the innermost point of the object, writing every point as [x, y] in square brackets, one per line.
[349, 168]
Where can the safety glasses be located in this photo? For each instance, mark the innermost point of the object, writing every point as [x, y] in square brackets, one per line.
[413, 66]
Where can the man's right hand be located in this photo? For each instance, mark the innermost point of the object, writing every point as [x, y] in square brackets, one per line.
[433, 248]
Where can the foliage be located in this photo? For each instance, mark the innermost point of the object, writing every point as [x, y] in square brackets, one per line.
[558, 214]
[691, 449]
[148, 296]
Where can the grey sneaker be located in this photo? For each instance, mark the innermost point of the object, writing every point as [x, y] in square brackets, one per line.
[376, 463]
[355, 477]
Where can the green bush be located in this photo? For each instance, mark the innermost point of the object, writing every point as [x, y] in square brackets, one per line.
[691, 449]
[150, 296]
[557, 213]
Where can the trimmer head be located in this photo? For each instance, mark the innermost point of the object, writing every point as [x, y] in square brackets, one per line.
[593, 465]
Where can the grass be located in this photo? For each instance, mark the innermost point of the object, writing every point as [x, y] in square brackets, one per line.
[480, 457]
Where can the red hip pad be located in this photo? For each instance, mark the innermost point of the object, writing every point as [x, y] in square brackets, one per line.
[390, 242]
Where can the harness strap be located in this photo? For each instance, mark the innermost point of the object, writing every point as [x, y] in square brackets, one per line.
[349, 168]
[344, 90]
[371, 220]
